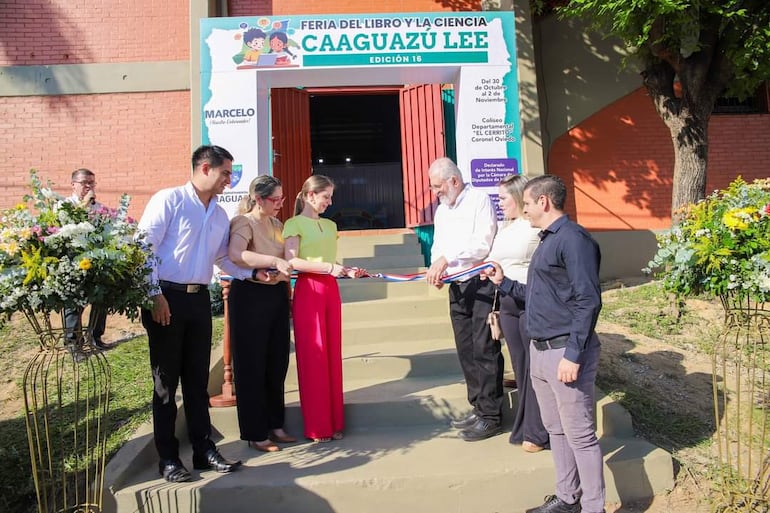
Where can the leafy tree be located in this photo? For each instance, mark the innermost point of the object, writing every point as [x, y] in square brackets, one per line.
[691, 53]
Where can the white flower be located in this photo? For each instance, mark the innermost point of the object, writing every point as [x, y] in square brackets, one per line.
[49, 194]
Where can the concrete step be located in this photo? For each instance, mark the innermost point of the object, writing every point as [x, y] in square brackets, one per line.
[376, 288]
[377, 330]
[383, 263]
[398, 448]
[369, 249]
[419, 400]
[394, 360]
[423, 468]
[401, 308]
[365, 240]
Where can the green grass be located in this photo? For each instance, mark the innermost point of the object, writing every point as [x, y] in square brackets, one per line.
[130, 397]
[655, 420]
[645, 309]
[649, 311]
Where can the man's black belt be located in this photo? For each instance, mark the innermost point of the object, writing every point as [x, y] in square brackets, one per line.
[190, 288]
[551, 343]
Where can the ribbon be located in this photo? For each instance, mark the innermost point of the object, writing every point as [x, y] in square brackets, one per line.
[465, 273]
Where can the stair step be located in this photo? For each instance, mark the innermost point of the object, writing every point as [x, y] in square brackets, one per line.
[401, 308]
[374, 331]
[384, 263]
[395, 360]
[346, 242]
[424, 468]
[378, 250]
[422, 400]
[376, 288]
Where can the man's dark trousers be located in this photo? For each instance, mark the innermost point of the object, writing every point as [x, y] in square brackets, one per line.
[181, 351]
[480, 358]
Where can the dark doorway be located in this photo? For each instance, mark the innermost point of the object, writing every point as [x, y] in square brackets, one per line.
[356, 140]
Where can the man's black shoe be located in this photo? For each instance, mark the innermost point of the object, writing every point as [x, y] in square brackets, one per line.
[466, 422]
[211, 459]
[481, 430]
[98, 344]
[173, 471]
[553, 504]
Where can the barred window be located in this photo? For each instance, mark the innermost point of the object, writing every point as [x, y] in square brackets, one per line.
[757, 104]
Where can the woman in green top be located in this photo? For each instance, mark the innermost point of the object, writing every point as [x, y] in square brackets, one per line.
[311, 248]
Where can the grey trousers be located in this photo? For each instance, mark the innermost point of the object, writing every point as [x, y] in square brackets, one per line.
[568, 415]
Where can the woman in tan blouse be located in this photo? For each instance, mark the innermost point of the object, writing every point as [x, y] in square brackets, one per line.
[259, 316]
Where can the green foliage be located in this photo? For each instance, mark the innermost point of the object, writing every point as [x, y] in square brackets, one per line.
[671, 30]
[55, 254]
[217, 302]
[721, 246]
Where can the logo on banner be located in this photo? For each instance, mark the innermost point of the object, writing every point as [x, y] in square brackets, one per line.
[234, 116]
[237, 174]
[266, 45]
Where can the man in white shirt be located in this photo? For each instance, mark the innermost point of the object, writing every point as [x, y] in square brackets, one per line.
[464, 228]
[84, 194]
[188, 232]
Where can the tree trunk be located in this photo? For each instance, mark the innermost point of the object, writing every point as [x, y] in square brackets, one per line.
[687, 116]
[690, 140]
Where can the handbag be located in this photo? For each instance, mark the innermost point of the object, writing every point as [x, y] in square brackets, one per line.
[493, 319]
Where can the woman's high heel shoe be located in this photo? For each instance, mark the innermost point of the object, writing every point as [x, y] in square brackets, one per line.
[264, 446]
[282, 437]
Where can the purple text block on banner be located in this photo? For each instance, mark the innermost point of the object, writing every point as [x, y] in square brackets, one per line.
[489, 172]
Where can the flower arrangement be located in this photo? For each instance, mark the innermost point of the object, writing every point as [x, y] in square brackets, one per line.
[721, 246]
[56, 254]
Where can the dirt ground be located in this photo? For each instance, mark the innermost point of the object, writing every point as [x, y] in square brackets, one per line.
[666, 369]
[119, 329]
[675, 371]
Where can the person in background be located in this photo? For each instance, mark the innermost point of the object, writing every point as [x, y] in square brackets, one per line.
[563, 300]
[84, 195]
[513, 248]
[311, 249]
[464, 227]
[259, 316]
[188, 232]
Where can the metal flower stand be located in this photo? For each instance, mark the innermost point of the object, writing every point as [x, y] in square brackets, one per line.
[66, 399]
[742, 407]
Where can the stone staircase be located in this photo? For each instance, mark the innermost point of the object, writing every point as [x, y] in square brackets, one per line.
[402, 386]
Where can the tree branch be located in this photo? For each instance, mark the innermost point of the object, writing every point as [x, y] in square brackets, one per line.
[659, 49]
[658, 78]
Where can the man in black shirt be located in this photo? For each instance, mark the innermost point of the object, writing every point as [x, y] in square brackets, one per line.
[563, 300]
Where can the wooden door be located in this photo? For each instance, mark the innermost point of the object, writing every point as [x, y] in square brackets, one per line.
[422, 141]
[292, 160]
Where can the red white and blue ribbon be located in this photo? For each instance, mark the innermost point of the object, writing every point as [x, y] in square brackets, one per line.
[458, 276]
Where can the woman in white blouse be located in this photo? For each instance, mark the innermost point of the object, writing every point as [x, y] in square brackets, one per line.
[513, 248]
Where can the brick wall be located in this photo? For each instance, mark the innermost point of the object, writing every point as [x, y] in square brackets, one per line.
[618, 164]
[136, 143]
[294, 7]
[85, 31]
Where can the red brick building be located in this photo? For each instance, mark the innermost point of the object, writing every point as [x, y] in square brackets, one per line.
[112, 86]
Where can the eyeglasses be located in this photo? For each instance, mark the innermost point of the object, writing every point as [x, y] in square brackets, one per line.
[437, 187]
[276, 201]
[87, 184]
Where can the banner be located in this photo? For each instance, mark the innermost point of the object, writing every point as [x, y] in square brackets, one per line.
[242, 58]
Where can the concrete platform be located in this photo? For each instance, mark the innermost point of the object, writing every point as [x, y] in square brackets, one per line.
[402, 387]
[423, 468]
